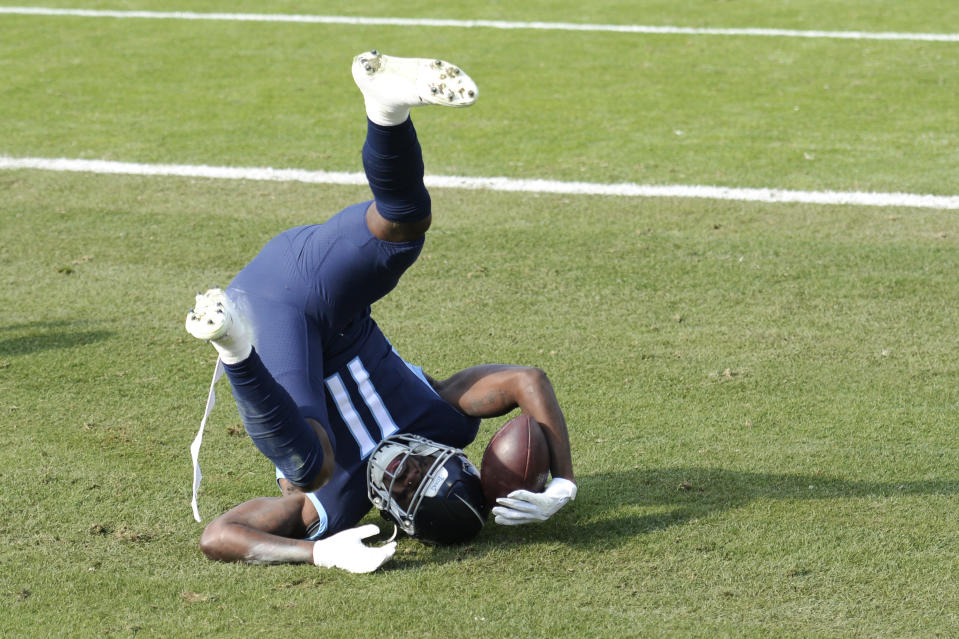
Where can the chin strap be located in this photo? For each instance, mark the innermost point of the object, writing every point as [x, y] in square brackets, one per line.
[198, 440]
[396, 532]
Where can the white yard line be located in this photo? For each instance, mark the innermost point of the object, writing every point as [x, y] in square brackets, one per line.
[472, 24]
[770, 195]
[494, 183]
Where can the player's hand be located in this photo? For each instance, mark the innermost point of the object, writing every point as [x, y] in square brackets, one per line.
[524, 507]
[346, 550]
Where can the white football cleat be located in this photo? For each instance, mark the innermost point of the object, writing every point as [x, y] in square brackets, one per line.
[213, 318]
[391, 86]
[209, 319]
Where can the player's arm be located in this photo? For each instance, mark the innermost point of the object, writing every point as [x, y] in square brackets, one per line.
[270, 530]
[266, 530]
[492, 390]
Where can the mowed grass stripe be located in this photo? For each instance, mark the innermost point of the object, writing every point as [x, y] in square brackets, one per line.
[768, 195]
[475, 24]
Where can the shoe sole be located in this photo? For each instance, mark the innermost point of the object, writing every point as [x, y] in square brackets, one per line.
[209, 318]
[435, 81]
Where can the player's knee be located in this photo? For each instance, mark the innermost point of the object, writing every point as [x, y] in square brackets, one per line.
[314, 476]
[309, 477]
[299, 452]
[314, 482]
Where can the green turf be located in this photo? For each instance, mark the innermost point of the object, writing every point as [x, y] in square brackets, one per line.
[761, 397]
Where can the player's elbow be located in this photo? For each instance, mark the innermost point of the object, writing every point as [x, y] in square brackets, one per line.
[213, 541]
[534, 384]
[535, 375]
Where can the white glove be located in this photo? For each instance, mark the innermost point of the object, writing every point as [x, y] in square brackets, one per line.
[346, 550]
[524, 507]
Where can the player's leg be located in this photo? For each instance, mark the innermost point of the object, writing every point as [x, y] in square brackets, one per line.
[269, 413]
[392, 157]
[351, 275]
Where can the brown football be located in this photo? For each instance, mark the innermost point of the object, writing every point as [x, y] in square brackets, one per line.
[516, 458]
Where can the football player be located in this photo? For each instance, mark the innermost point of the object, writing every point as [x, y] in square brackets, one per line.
[322, 393]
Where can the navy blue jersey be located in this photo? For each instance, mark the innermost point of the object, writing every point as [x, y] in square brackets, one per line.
[307, 298]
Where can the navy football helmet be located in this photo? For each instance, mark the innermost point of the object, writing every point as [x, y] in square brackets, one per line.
[430, 490]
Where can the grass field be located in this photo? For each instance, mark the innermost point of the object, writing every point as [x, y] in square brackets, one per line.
[762, 397]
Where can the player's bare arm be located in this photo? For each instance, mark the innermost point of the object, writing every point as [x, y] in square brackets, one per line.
[491, 390]
[266, 530]
[269, 530]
